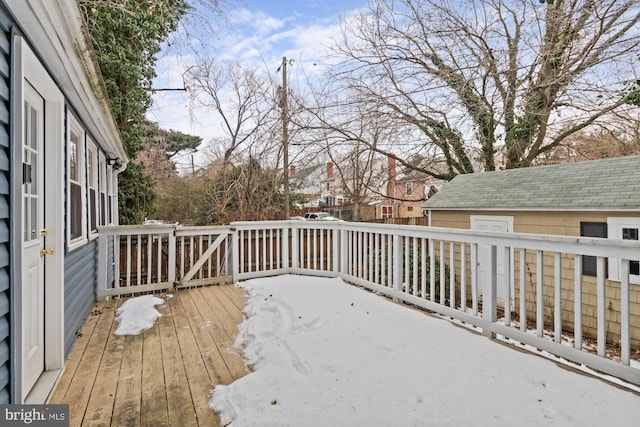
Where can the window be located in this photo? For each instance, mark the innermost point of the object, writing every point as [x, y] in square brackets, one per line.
[625, 229]
[387, 212]
[102, 183]
[111, 197]
[631, 234]
[591, 229]
[92, 183]
[409, 208]
[409, 186]
[76, 196]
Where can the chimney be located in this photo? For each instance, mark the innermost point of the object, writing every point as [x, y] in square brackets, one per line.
[292, 171]
[329, 170]
[392, 169]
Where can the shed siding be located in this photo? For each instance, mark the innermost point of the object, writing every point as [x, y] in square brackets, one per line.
[5, 196]
[80, 275]
[565, 224]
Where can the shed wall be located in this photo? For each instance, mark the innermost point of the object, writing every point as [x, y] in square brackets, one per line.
[565, 224]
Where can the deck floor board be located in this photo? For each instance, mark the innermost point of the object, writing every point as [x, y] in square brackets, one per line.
[162, 377]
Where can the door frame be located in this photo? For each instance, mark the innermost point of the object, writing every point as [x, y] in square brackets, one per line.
[509, 220]
[27, 66]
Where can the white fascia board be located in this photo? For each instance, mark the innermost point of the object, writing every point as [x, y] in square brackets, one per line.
[57, 34]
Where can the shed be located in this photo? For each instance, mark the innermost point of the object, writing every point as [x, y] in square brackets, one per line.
[599, 198]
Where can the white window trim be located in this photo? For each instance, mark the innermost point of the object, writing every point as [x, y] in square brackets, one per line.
[92, 151]
[614, 231]
[74, 125]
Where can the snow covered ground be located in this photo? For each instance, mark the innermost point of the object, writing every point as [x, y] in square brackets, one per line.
[325, 353]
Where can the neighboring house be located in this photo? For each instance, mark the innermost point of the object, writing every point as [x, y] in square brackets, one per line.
[406, 193]
[60, 152]
[599, 198]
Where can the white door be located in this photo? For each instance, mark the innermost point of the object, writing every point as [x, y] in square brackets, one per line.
[492, 223]
[33, 236]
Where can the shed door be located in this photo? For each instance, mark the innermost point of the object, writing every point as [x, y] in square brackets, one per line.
[492, 223]
[33, 236]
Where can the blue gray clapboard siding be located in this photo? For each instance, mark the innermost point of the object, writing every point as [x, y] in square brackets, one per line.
[80, 275]
[607, 184]
[5, 196]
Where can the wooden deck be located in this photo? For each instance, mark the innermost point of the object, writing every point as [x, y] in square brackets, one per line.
[162, 377]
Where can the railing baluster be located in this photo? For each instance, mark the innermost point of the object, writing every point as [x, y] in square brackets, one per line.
[423, 268]
[322, 250]
[539, 293]
[138, 259]
[452, 274]
[116, 258]
[625, 344]
[506, 274]
[432, 270]
[443, 270]
[128, 279]
[463, 276]
[577, 302]
[182, 256]
[601, 307]
[159, 278]
[523, 290]
[557, 297]
[415, 265]
[405, 245]
[474, 279]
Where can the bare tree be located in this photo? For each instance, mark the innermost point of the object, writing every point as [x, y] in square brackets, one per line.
[239, 99]
[461, 78]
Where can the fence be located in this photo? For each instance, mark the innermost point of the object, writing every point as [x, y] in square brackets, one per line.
[527, 288]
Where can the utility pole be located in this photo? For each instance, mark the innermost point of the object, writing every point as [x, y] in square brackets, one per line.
[285, 136]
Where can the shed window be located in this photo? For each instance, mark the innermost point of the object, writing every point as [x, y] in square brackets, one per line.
[624, 229]
[591, 229]
[387, 212]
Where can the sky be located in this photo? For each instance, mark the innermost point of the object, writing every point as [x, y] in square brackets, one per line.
[327, 353]
[254, 33]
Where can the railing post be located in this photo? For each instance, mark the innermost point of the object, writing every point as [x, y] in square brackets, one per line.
[103, 257]
[489, 311]
[171, 267]
[235, 255]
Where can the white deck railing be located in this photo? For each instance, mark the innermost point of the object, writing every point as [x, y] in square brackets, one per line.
[526, 288]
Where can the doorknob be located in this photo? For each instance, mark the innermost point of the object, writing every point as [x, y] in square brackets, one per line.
[44, 251]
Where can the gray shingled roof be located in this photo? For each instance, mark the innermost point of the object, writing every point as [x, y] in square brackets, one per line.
[607, 184]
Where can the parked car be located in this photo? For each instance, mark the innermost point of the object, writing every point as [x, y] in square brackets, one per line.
[323, 216]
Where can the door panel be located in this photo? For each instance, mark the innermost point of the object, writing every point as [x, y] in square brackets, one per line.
[500, 224]
[33, 240]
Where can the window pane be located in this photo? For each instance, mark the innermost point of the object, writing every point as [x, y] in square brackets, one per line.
[73, 157]
[591, 229]
[76, 211]
[630, 234]
[94, 212]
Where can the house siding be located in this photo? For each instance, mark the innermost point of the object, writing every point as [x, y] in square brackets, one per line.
[80, 275]
[5, 196]
[564, 224]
